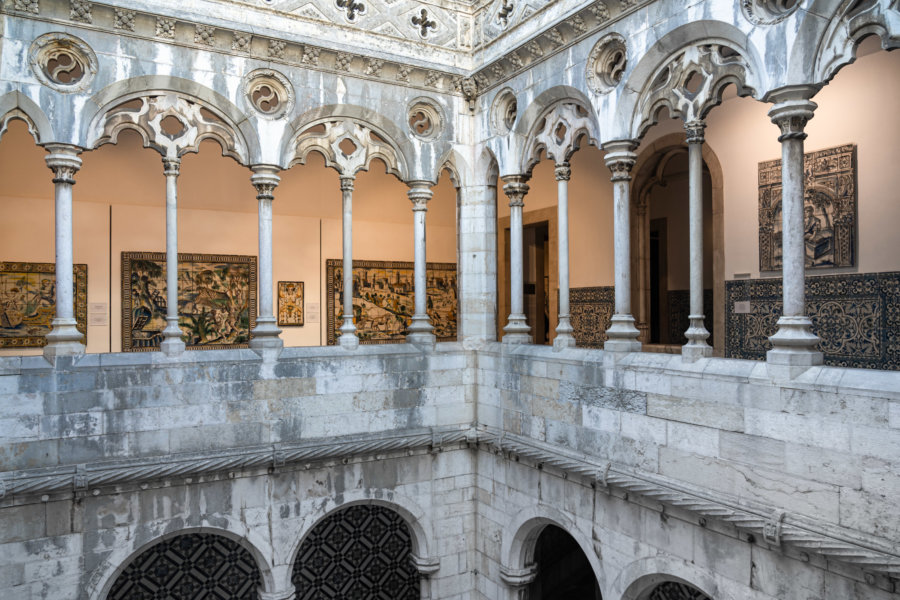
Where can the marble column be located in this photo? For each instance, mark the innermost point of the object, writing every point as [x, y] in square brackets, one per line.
[622, 336]
[348, 338]
[266, 333]
[172, 343]
[564, 337]
[420, 330]
[64, 339]
[793, 344]
[518, 580]
[696, 347]
[517, 330]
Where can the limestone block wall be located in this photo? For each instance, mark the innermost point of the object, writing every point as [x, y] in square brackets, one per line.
[811, 456]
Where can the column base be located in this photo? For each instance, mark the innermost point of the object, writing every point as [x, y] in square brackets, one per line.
[427, 340]
[517, 330]
[64, 339]
[348, 339]
[697, 347]
[266, 334]
[794, 344]
[622, 335]
[564, 337]
[172, 344]
[283, 595]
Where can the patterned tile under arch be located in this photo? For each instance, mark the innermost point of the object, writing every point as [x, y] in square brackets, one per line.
[672, 590]
[188, 567]
[359, 553]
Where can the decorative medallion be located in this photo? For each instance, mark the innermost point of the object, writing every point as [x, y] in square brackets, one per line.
[269, 93]
[504, 112]
[767, 12]
[62, 62]
[606, 64]
[425, 120]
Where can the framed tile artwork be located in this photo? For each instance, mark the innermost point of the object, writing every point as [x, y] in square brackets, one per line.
[290, 303]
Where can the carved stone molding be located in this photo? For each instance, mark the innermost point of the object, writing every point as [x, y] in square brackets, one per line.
[62, 62]
[170, 124]
[30, 6]
[767, 12]
[269, 93]
[691, 84]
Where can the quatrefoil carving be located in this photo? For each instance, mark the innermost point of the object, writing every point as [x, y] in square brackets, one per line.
[62, 62]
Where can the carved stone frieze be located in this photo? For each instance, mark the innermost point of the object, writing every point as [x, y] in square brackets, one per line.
[276, 49]
[62, 62]
[692, 82]
[80, 11]
[240, 42]
[205, 35]
[165, 28]
[124, 19]
[31, 6]
[170, 124]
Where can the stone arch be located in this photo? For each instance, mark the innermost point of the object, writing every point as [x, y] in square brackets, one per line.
[392, 148]
[520, 535]
[528, 124]
[246, 148]
[15, 105]
[559, 132]
[487, 170]
[411, 513]
[459, 168]
[104, 576]
[836, 47]
[645, 91]
[641, 180]
[640, 577]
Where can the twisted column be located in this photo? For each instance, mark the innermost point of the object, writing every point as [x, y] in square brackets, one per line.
[564, 337]
[266, 333]
[420, 330]
[622, 335]
[517, 330]
[793, 344]
[64, 338]
[696, 333]
[172, 343]
[348, 338]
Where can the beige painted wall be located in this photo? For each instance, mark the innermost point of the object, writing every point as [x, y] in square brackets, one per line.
[217, 215]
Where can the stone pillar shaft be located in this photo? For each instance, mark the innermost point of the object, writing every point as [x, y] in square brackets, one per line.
[696, 347]
[420, 330]
[793, 344]
[564, 337]
[348, 339]
[266, 333]
[517, 330]
[64, 338]
[172, 343]
[622, 336]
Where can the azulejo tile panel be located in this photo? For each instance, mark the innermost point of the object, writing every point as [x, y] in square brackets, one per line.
[857, 317]
[591, 309]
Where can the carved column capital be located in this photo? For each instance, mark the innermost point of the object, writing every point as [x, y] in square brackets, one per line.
[171, 166]
[419, 194]
[620, 158]
[518, 578]
[265, 179]
[515, 189]
[791, 117]
[64, 161]
[694, 131]
[347, 183]
[563, 172]
[426, 566]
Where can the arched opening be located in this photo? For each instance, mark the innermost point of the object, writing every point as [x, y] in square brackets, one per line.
[674, 590]
[563, 571]
[660, 243]
[363, 551]
[189, 566]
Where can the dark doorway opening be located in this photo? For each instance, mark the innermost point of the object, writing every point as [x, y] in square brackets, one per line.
[564, 572]
[536, 261]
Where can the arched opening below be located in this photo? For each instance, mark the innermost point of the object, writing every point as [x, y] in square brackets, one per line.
[188, 566]
[363, 551]
[675, 590]
[563, 571]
